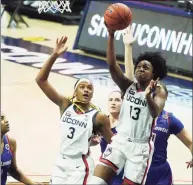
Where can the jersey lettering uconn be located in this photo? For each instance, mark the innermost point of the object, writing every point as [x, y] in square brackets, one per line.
[135, 119]
[76, 130]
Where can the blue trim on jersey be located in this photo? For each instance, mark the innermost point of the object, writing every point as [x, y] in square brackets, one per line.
[6, 159]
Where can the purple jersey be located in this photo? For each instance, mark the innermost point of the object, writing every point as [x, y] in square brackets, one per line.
[103, 143]
[6, 159]
[166, 124]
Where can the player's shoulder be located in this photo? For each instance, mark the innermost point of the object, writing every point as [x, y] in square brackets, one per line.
[101, 118]
[173, 120]
[101, 115]
[166, 114]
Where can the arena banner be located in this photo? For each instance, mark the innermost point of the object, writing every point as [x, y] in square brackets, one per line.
[158, 28]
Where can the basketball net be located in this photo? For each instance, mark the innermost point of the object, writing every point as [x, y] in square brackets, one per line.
[53, 6]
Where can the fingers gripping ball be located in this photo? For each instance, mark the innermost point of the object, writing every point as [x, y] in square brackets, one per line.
[118, 16]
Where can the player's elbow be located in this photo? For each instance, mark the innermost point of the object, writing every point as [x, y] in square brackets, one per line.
[40, 80]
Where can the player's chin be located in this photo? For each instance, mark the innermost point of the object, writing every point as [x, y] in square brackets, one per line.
[141, 78]
[86, 100]
[4, 131]
[113, 111]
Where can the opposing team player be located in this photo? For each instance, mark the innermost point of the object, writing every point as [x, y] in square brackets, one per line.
[143, 101]
[79, 121]
[114, 106]
[8, 156]
[166, 124]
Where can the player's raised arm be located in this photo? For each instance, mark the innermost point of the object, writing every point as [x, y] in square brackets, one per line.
[42, 77]
[116, 73]
[128, 40]
[186, 139]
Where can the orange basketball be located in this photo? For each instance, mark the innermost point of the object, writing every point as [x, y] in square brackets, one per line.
[118, 16]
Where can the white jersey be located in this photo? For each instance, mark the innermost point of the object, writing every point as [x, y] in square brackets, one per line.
[135, 121]
[76, 131]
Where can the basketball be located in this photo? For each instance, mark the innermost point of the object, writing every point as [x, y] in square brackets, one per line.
[118, 16]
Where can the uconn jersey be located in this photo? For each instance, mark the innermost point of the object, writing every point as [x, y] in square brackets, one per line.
[76, 131]
[6, 158]
[135, 119]
[74, 165]
[131, 148]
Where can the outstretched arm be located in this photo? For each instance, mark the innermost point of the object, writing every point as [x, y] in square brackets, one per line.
[186, 139]
[42, 77]
[128, 41]
[14, 171]
[116, 73]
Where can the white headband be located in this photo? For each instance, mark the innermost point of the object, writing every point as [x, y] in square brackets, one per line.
[82, 80]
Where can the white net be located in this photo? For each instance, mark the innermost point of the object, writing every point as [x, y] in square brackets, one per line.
[54, 6]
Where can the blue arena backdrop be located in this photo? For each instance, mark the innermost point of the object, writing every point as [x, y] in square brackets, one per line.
[31, 54]
[159, 28]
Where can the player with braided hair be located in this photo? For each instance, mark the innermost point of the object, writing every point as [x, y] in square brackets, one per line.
[79, 121]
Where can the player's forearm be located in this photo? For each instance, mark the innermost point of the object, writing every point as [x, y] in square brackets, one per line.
[45, 70]
[190, 147]
[18, 175]
[129, 67]
[111, 56]
[153, 107]
[115, 70]
[108, 135]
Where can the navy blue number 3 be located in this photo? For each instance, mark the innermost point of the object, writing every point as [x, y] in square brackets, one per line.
[71, 135]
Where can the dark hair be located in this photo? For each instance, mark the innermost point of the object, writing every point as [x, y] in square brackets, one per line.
[157, 61]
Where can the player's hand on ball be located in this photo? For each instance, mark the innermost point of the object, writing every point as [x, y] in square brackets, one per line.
[60, 46]
[189, 164]
[111, 31]
[128, 38]
[151, 87]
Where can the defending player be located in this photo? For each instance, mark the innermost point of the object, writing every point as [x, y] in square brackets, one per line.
[143, 101]
[79, 121]
[8, 156]
[166, 124]
[114, 106]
